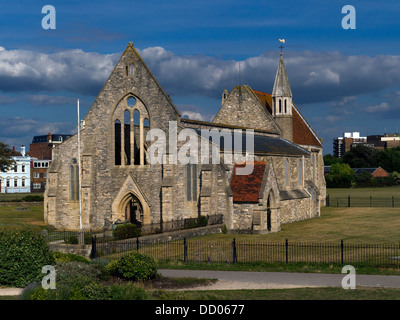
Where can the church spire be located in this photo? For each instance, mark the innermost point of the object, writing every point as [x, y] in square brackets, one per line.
[281, 84]
[282, 101]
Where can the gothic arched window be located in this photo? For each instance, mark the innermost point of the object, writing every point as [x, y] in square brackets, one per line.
[74, 181]
[117, 142]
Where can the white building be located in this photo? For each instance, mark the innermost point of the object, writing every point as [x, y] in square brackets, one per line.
[17, 179]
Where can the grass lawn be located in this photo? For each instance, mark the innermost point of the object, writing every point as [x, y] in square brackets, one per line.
[355, 225]
[378, 192]
[17, 196]
[28, 215]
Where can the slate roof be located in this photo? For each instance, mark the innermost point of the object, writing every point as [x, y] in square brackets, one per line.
[263, 145]
[246, 188]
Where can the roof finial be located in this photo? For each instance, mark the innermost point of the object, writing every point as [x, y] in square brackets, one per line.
[282, 41]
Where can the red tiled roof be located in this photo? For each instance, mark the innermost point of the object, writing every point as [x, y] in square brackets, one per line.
[266, 99]
[302, 134]
[246, 188]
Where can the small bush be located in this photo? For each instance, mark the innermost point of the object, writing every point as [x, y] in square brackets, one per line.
[224, 229]
[201, 221]
[126, 231]
[23, 253]
[134, 266]
[100, 262]
[76, 273]
[74, 238]
[68, 257]
[32, 198]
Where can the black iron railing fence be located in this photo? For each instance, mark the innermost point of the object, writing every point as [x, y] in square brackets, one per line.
[71, 237]
[384, 255]
[367, 201]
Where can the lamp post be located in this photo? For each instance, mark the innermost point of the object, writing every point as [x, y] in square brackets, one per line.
[81, 234]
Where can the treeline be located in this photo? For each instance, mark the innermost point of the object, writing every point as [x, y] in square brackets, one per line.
[342, 174]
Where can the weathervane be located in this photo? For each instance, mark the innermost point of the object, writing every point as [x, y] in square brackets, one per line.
[282, 42]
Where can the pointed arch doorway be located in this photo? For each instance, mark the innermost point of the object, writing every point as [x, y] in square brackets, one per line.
[132, 209]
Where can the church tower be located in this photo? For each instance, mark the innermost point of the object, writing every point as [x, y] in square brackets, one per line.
[282, 101]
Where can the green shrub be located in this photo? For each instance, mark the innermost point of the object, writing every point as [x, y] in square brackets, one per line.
[23, 253]
[128, 291]
[100, 262]
[224, 229]
[74, 281]
[32, 198]
[68, 257]
[74, 238]
[134, 266]
[126, 231]
[76, 273]
[201, 221]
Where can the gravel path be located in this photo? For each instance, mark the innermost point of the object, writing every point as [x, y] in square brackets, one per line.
[234, 280]
[231, 280]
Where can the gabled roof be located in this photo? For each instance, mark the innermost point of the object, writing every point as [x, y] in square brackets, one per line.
[246, 188]
[302, 132]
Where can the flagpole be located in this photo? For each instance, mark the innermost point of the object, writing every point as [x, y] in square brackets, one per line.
[79, 168]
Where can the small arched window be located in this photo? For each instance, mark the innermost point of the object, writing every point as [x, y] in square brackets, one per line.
[129, 70]
[300, 172]
[280, 105]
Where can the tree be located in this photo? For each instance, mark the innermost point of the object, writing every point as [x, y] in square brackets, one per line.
[340, 176]
[330, 159]
[389, 159]
[5, 157]
[360, 156]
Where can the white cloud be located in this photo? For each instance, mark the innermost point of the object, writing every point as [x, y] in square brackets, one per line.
[192, 115]
[326, 76]
[70, 70]
[314, 76]
[378, 108]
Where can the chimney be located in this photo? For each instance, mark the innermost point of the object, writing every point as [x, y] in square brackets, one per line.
[23, 150]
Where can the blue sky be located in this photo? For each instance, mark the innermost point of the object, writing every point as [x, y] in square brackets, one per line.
[342, 80]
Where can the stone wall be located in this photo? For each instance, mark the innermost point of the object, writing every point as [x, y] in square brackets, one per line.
[242, 108]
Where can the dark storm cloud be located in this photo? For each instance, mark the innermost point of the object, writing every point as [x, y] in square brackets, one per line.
[315, 77]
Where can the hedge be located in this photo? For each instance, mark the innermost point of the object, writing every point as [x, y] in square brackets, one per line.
[23, 253]
[126, 231]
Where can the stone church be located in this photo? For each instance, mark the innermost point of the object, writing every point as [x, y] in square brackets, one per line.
[117, 182]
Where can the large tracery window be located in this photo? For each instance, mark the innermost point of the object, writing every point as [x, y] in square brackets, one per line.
[129, 139]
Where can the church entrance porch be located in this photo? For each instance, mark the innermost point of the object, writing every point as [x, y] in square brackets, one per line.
[133, 209]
